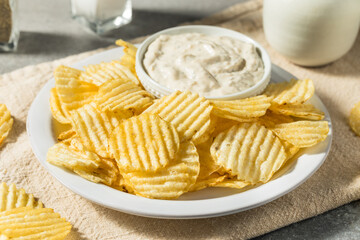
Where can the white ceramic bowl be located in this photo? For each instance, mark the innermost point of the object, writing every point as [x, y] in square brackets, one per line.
[159, 90]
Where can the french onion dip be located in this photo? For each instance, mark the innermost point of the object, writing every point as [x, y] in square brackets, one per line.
[208, 65]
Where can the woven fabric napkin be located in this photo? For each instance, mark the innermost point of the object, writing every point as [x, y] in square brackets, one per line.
[337, 182]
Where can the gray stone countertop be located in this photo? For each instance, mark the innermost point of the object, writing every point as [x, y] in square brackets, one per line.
[49, 33]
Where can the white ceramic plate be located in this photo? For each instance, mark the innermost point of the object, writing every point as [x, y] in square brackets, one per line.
[209, 202]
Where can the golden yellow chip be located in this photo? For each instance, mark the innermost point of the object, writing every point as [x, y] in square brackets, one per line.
[57, 108]
[290, 149]
[189, 113]
[232, 183]
[169, 182]
[249, 151]
[128, 59]
[354, 119]
[119, 96]
[293, 92]
[210, 181]
[28, 223]
[6, 122]
[302, 133]
[62, 155]
[270, 119]
[207, 164]
[221, 124]
[93, 127]
[72, 92]
[144, 143]
[306, 111]
[104, 72]
[66, 135]
[243, 108]
[11, 197]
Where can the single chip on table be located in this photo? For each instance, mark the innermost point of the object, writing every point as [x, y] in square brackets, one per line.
[93, 127]
[121, 96]
[354, 119]
[11, 197]
[249, 151]
[305, 111]
[73, 93]
[169, 182]
[28, 223]
[57, 108]
[242, 109]
[6, 122]
[188, 112]
[144, 143]
[293, 92]
[270, 119]
[302, 133]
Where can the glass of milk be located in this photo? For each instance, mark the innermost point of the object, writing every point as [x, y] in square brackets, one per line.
[311, 32]
[102, 15]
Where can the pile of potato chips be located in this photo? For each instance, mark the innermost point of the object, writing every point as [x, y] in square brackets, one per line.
[121, 136]
[23, 217]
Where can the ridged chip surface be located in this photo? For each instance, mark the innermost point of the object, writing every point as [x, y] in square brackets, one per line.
[33, 224]
[11, 197]
[57, 108]
[270, 119]
[93, 128]
[188, 112]
[249, 151]
[354, 119]
[302, 133]
[73, 93]
[144, 143]
[169, 182]
[293, 92]
[117, 95]
[6, 122]
[305, 111]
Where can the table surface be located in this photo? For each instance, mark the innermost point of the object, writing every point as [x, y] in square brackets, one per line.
[49, 33]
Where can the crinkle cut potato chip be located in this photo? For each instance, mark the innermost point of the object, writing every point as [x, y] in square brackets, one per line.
[57, 108]
[188, 112]
[305, 111]
[144, 143]
[33, 224]
[93, 128]
[210, 181]
[117, 95]
[249, 151]
[270, 119]
[207, 164]
[302, 133]
[293, 92]
[128, 59]
[232, 183]
[169, 182]
[73, 93]
[354, 119]
[11, 197]
[6, 122]
[243, 108]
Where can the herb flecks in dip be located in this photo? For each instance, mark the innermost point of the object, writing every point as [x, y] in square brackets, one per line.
[208, 65]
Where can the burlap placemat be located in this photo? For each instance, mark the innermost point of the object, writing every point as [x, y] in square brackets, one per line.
[337, 182]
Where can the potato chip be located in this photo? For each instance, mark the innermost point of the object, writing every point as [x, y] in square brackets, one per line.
[207, 163]
[290, 149]
[144, 143]
[72, 92]
[249, 151]
[62, 155]
[221, 124]
[169, 182]
[128, 59]
[6, 122]
[306, 111]
[242, 109]
[354, 119]
[66, 135]
[28, 223]
[103, 72]
[210, 181]
[11, 197]
[119, 96]
[232, 183]
[270, 119]
[93, 128]
[302, 133]
[57, 108]
[293, 92]
[189, 113]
